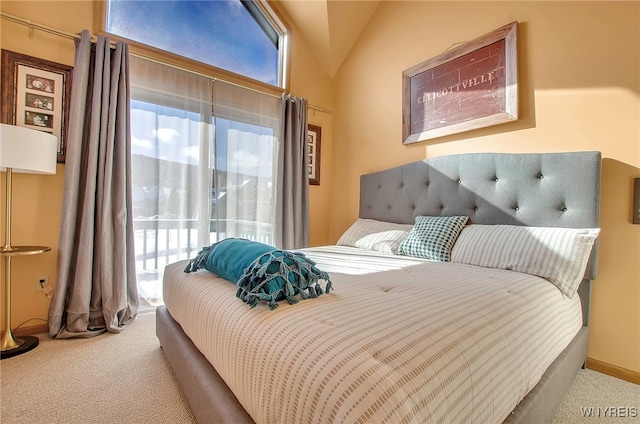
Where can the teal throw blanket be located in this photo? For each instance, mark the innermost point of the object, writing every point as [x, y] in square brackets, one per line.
[262, 272]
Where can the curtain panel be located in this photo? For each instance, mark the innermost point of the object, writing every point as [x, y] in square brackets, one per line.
[96, 287]
[172, 139]
[172, 145]
[292, 210]
[247, 125]
[211, 160]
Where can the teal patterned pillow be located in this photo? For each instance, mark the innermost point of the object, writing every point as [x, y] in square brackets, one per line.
[432, 237]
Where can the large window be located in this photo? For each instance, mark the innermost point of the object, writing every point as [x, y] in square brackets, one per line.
[236, 35]
[204, 161]
[203, 151]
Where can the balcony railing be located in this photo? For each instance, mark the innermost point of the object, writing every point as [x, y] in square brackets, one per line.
[161, 241]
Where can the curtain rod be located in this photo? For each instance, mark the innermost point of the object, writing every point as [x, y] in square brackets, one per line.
[41, 27]
[54, 31]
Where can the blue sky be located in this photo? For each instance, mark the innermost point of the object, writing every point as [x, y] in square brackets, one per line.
[171, 134]
[217, 32]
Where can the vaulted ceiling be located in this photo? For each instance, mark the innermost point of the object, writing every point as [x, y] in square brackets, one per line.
[329, 27]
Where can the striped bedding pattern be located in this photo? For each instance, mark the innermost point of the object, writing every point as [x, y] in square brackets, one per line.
[403, 341]
[557, 254]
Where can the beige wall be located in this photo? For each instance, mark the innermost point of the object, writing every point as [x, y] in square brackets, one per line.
[310, 80]
[579, 85]
[37, 200]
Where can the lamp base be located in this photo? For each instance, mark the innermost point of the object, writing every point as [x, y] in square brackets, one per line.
[28, 343]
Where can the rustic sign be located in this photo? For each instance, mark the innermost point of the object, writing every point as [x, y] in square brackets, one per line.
[472, 86]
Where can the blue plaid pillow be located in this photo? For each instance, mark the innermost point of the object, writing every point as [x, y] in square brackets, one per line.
[432, 237]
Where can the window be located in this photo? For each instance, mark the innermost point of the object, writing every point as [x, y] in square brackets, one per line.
[203, 166]
[240, 36]
[203, 151]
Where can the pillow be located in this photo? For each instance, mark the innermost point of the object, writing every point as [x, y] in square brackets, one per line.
[559, 255]
[262, 272]
[432, 237]
[379, 236]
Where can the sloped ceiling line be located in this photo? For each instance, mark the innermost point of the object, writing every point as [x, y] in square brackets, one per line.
[330, 27]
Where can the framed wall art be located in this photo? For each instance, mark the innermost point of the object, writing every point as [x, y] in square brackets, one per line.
[471, 86]
[314, 134]
[36, 94]
[636, 201]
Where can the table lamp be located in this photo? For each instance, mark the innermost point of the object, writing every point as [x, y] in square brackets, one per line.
[31, 151]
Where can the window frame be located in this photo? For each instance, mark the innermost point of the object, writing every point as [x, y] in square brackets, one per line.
[284, 45]
[168, 58]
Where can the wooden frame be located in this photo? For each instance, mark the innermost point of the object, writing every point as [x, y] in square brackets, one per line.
[472, 86]
[36, 94]
[636, 201]
[314, 135]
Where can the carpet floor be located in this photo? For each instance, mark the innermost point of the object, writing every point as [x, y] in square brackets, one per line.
[125, 378]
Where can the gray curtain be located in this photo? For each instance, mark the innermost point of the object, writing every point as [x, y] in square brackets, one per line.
[292, 204]
[96, 282]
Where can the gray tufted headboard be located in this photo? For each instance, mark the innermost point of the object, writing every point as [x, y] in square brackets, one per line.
[538, 189]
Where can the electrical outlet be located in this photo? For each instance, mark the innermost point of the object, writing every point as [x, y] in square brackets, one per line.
[42, 283]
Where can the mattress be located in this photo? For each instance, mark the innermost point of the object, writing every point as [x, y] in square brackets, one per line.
[398, 340]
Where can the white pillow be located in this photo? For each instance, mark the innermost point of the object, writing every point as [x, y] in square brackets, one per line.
[559, 255]
[379, 236]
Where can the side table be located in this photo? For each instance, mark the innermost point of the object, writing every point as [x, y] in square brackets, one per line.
[13, 346]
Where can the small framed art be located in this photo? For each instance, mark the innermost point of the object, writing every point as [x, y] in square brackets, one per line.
[314, 134]
[636, 201]
[36, 94]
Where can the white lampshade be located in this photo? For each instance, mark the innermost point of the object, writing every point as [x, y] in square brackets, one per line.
[27, 150]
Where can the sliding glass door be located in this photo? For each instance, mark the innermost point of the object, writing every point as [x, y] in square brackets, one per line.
[203, 156]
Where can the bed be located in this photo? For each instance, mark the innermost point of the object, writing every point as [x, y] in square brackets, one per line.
[470, 339]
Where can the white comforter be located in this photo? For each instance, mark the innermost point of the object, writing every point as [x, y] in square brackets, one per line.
[398, 340]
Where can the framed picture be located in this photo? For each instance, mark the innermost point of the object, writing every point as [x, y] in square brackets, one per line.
[471, 86]
[636, 201]
[35, 94]
[313, 153]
